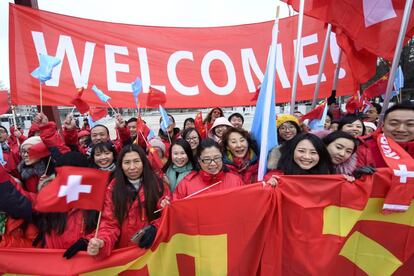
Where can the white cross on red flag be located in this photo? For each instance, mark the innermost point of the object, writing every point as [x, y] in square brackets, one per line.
[73, 187]
[370, 25]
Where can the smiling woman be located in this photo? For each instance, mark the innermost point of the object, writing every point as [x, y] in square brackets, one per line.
[212, 175]
[241, 154]
[304, 154]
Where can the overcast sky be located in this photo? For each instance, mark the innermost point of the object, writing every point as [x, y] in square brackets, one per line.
[183, 13]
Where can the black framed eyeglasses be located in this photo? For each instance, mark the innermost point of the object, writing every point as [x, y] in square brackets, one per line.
[208, 161]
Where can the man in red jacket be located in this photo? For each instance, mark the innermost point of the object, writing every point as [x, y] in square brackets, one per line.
[399, 126]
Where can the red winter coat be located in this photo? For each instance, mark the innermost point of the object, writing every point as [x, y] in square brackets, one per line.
[74, 230]
[195, 181]
[248, 174]
[115, 235]
[16, 235]
[370, 155]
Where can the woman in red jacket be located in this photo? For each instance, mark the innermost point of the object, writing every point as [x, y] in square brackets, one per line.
[212, 172]
[67, 230]
[240, 154]
[304, 154]
[131, 199]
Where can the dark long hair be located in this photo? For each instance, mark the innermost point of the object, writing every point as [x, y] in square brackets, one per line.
[251, 143]
[187, 148]
[288, 165]
[340, 134]
[208, 118]
[122, 195]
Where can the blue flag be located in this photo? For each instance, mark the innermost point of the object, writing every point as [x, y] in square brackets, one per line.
[91, 122]
[46, 64]
[101, 95]
[136, 89]
[166, 120]
[264, 122]
[398, 82]
[318, 124]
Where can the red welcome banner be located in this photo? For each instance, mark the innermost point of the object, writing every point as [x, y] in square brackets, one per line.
[195, 67]
[322, 225]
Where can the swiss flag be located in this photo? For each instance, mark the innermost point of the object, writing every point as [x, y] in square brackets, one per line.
[73, 187]
[80, 104]
[373, 25]
[97, 113]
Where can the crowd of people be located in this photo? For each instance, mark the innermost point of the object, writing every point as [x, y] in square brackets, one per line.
[148, 172]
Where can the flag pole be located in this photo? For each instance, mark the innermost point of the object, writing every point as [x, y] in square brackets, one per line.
[322, 65]
[396, 59]
[15, 123]
[337, 69]
[41, 97]
[297, 56]
[193, 194]
[97, 224]
[113, 110]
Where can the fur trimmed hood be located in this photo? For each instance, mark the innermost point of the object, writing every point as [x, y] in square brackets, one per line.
[273, 158]
[347, 167]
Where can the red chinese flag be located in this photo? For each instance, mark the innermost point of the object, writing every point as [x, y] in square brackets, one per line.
[315, 113]
[73, 187]
[199, 125]
[80, 104]
[98, 113]
[38, 151]
[353, 105]
[154, 159]
[377, 88]
[155, 97]
[4, 102]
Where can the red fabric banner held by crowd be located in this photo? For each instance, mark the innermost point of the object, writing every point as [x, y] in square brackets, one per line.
[322, 225]
[195, 67]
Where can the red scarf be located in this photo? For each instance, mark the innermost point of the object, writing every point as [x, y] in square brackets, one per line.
[401, 192]
[211, 178]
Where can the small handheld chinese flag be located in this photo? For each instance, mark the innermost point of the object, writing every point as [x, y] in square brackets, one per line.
[73, 187]
[80, 104]
[199, 125]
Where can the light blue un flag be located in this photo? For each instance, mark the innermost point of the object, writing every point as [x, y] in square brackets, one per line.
[264, 121]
